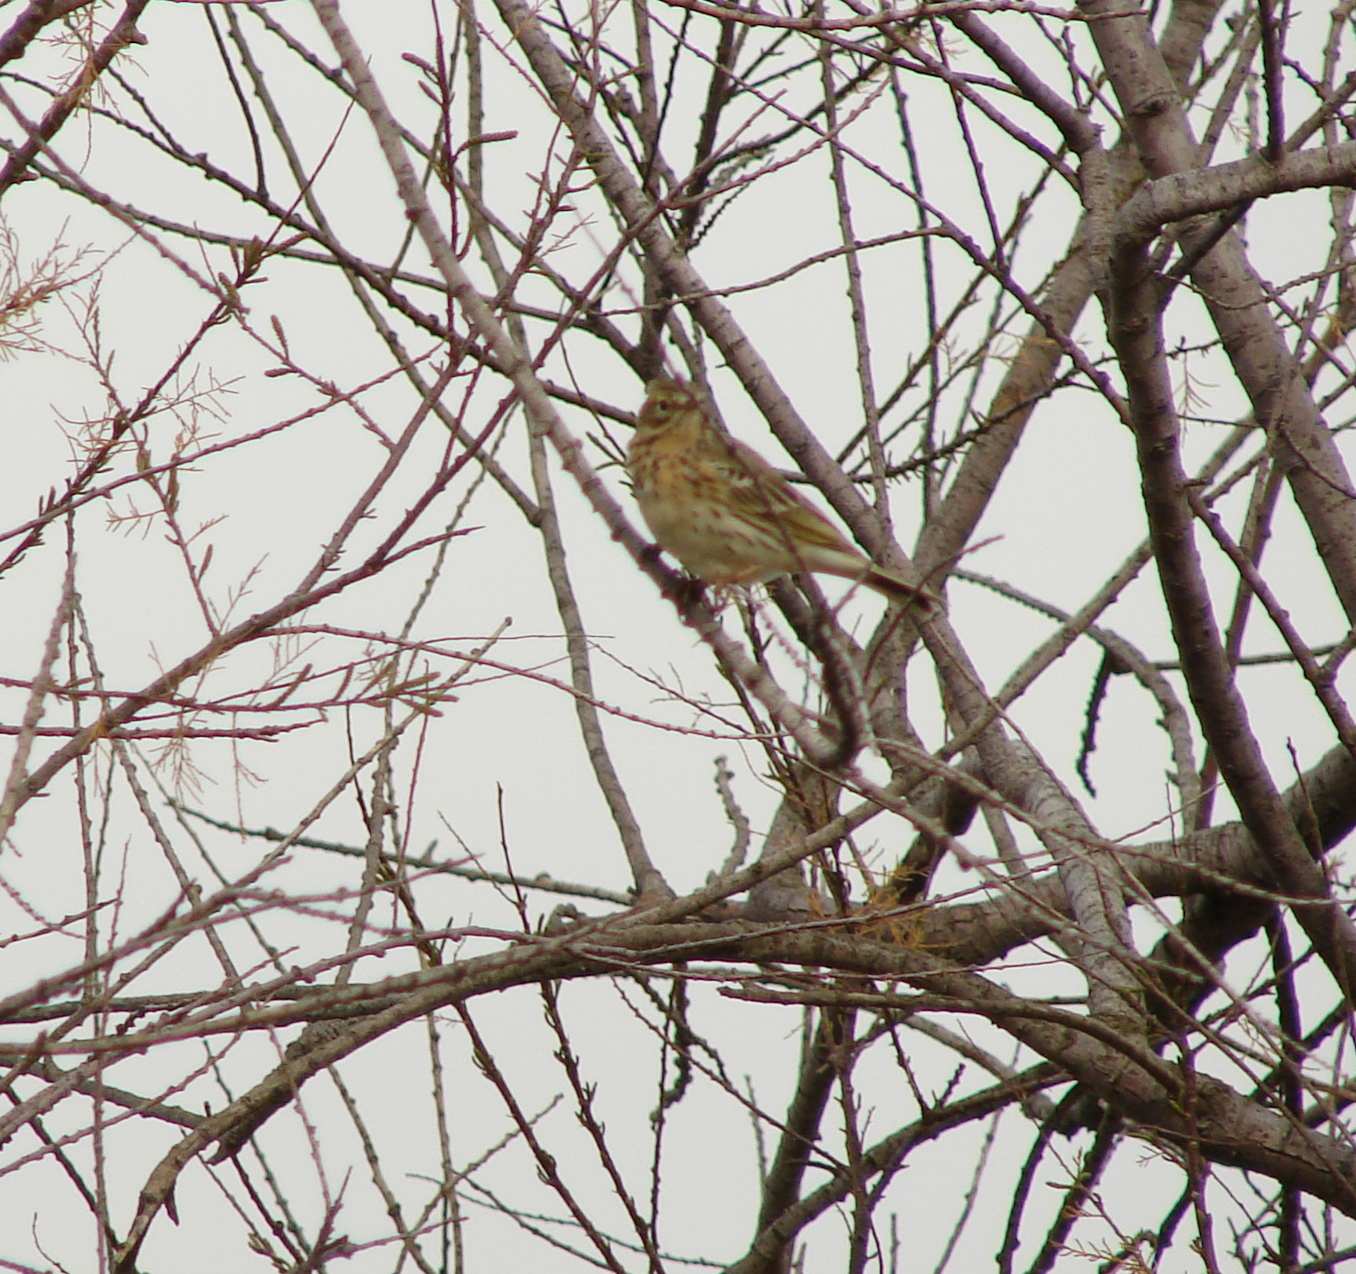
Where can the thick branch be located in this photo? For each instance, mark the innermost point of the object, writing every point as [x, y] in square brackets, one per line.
[1180, 195]
[1137, 336]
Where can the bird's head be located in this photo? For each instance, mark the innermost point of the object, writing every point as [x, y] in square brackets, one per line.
[666, 401]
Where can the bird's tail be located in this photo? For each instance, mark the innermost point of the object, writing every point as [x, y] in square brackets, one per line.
[889, 585]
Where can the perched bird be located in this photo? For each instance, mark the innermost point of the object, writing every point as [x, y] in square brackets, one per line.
[727, 514]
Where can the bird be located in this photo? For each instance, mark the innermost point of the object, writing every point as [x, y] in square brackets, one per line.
[726, 514]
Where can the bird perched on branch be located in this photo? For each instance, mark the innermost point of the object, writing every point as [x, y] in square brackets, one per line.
[727, 514]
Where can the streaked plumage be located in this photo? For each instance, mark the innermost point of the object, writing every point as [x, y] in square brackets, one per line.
[727, 514]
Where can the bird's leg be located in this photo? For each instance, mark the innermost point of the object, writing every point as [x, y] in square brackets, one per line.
[688, 592]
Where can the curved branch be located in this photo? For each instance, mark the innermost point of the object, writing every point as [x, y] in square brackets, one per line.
[1195, 191]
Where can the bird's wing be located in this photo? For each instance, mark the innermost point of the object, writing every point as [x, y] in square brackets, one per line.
[759, 491]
